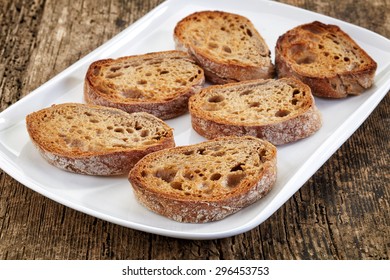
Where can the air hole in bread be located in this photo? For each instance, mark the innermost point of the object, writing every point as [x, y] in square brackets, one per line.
[294, 101]
[234, 179]
[188, 153]
[142, 82]
[201, 151]
[87, 114]
[113, 75]
[182, 82]
[69, 117]
[263, 156]
[94, 121]
[254, 104]
[119, 129]
[307, 59]
[96, 70]
[297, 48]
[336, 57]
[137, 126]
[320, 46]
[166, 174]
[213, 45]
[144, 133]
[177, 185]
[215, 177]
[132, 93]
[296, 91]
[218, 154]
[227, 49]
[189, 175]
[164, 72]
[129, 130]
[216, 99]
[282, 113]
[249, 32]
[346, 59]
[237, 167]
[246, 92]
[115, 68]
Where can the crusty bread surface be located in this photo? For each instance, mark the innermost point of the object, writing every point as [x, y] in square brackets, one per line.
[326, 58]
[207, 181]
[96, 140]
[158, 83]
[280, 111]
[227, 46]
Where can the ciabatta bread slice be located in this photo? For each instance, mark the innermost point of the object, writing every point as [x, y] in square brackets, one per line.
[158, 83]
[280, 111]
[226, 45]
[207, 181]
[96, 140]
[326, 58]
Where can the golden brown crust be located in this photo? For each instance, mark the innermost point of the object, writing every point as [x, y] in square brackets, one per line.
[280, 111]
[207, 181]
[158, 83]
[325, 58]
[227, 46]
[95, 140]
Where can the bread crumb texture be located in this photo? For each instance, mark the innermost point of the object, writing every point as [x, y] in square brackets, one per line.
[206, 181]
[318, 49]
[229, 38]
[151, 77]
[81, 129]
[253, 103]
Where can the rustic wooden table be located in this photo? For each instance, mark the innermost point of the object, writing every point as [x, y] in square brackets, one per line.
[342, 212]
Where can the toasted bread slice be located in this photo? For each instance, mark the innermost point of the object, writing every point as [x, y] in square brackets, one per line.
[158, 83]
[227, 46]
[207, 181]
[326, 58]
[96, 140]
[280, 111]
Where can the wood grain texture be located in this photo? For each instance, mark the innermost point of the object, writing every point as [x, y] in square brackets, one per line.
[342, 211]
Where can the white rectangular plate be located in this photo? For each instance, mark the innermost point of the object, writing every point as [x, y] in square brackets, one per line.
[112, 199]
